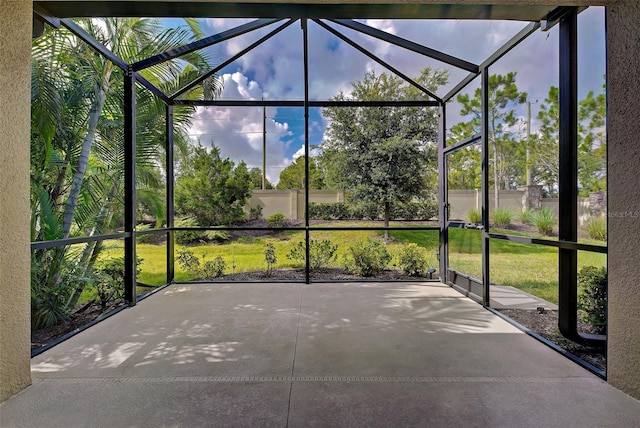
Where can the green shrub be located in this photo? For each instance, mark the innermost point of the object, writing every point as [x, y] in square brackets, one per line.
[364, 211]
[255, 212]
[474, 215]
[186, 237]
[527, 216]
[501, 217]
[424, 210]
[597, 228]
[367, 258]
[188, 261]
[270, 257]
[216, 235]
[214, 268]
[544, 220]
[413, 260]
[592, 297]
[321, 253]
[329, 211]
[277, 220]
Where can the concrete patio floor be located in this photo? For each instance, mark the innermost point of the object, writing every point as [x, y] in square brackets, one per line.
[295, 355]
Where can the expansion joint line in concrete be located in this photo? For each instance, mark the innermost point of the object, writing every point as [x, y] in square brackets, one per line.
[292, 379]
[295, 350]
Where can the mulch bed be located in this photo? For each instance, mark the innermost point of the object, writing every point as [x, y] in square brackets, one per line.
[546, 325]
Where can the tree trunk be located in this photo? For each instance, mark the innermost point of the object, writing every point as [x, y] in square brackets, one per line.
[92, 249]
[496, 179]
[83, 160]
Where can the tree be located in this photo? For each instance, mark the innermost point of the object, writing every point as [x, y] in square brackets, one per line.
[545, 154]
[592, 143]
[78, 146]
[385, 155]
[212, 189]
[506, 155]
[255, 175]
[293, 176]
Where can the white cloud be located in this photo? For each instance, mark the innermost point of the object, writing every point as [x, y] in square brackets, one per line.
[237, 131]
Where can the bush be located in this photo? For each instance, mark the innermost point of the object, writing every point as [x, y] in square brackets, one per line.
[413, 260]
[277, 220]
[367, 258]
[501, 217]
[189, 262]
[544, 220]
[255, 212]
[474, 215]
[597, 228]
[186, 237]
[330, 211]
[216, 235]
[592, 297]
[414, 211]
[321, 253]
[527, 216]
[214, 268]
[270, 257]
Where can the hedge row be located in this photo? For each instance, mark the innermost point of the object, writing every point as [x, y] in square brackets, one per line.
[365, 211]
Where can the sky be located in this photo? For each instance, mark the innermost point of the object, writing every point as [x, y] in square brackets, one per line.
[274, 71]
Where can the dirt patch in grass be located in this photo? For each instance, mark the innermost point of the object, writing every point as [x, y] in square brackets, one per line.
[546, 325]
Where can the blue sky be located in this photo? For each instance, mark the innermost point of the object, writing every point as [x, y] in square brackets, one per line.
[274, 71]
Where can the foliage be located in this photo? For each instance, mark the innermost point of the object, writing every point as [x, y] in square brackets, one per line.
[505, 156]
[527, 216]
[255, 212]
[212, 189]
[597, 228]
[544, 220]
[383, 155]
[474, 215]
[255, 177]
[321, 253]
[413, 260]
[109, 280]
[367, 211]
[545, 162]
[189, 262]
[293, 176]
[277, 220]
[592, 143]
[501, 217]
[77, 145]
[367, 258]
[214, 268]
[592, 297]
[218, 236]
[186, 237]
[270, 257]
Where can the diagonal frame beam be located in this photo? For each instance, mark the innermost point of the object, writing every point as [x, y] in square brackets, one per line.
[203, 43]
[378, 60]
[230, 60]
[81, 33]
[408, 44]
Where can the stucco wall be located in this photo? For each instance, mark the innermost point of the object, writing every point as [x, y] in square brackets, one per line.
[15, 55]
[623, 50]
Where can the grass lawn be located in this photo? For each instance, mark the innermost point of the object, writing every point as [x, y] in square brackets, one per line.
[529, 267]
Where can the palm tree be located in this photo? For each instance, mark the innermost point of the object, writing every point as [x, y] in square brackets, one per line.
[77, 139]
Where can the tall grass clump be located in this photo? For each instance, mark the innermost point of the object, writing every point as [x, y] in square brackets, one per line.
[528, 216]
[544, 220]
[597, 228]
[501, 217]
[474, 215]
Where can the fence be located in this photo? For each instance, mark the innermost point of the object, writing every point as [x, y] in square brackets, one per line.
[291, 202]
